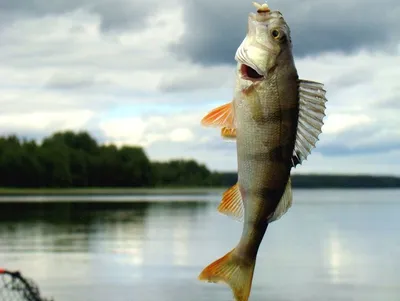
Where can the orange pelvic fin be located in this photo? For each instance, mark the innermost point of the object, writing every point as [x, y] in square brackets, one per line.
[228, 133]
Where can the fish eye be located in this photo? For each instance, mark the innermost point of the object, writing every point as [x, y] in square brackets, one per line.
[275, 33]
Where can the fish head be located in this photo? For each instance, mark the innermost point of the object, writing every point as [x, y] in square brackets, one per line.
[267, 44]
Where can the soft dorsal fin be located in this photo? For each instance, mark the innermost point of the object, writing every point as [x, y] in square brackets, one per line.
[311, 114]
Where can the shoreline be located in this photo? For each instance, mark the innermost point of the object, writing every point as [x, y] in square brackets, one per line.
[108, 191]
[147, 190]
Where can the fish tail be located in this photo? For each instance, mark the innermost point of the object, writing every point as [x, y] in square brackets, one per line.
[234, 271]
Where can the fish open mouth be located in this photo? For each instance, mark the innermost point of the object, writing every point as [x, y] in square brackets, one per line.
[249, 73]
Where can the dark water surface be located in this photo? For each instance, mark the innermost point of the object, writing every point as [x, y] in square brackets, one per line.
[331, 245]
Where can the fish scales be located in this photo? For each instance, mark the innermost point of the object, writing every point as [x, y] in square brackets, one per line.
[275, 119]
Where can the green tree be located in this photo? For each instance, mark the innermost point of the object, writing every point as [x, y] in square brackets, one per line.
[68, 159]
[54, 157]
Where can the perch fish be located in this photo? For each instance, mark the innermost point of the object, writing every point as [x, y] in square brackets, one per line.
[275, 118]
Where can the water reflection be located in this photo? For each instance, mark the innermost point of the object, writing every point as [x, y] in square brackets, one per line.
[85, 251]
[181, 241]
[95, 228]
[335, 253]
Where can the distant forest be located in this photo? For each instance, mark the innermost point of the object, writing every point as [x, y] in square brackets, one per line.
[69, 159]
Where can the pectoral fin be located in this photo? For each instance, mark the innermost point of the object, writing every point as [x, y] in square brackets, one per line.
[311, 114]
[220, 117]
[224, 117]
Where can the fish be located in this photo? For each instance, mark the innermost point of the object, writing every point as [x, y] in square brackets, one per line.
[276, 119]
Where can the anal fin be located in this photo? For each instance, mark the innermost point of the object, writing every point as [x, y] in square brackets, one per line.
[284, 204]
[232, 203]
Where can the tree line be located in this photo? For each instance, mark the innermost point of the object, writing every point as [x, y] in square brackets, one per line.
[69, 159]
[328, 181]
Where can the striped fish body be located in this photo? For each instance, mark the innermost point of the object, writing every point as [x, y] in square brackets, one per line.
[266, 121]
[275, 119]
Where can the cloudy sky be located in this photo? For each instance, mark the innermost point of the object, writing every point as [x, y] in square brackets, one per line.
[145, 72]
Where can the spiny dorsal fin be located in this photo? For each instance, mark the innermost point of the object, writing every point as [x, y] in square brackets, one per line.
[311, 114]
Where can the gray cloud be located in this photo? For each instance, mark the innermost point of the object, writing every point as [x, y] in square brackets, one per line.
[119, 15]
[214, 30]
[74, 82]
[195, 80]
[351, 78]
[114, 15]
[390, 103]
[342, 150]
[181, 83]
[360, 140]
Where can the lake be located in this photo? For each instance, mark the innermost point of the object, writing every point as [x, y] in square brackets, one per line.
[331, 245]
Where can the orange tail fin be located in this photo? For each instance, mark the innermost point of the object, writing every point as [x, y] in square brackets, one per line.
[230, 269]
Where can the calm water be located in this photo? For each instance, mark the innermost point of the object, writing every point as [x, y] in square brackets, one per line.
[332, 245]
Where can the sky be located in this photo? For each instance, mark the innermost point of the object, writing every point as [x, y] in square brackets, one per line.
[134, 72]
